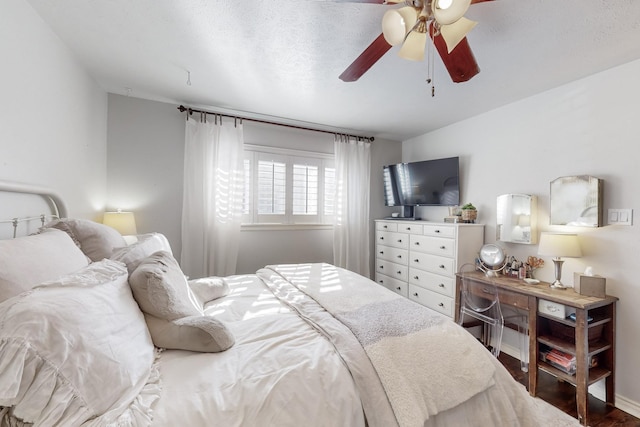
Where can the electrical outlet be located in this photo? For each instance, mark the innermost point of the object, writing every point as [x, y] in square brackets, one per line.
[620, 216]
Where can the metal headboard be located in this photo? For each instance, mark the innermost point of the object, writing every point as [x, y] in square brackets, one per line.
[56, 205]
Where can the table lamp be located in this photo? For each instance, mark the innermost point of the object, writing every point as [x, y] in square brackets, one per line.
[123, 222]
[559, 245]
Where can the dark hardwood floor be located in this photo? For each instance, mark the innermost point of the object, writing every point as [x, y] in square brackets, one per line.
[562, 395]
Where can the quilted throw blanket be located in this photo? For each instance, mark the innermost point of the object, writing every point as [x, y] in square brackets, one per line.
[408, 362]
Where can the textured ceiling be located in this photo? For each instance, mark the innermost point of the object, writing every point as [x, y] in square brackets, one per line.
[280, 59]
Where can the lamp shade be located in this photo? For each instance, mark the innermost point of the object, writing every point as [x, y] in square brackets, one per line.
[413, 47]
[559, 245]
[396, 23]
[447, 12]
[123, 222]
[454, 33]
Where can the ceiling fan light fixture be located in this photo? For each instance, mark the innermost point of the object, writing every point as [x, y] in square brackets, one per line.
[413, 47]
[454, 33]
[455, 10]
[397, 23]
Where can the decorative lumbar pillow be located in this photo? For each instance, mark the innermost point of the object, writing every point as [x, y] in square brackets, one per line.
[172, 310]
[29, 260]
[75, 350]
[96, 240]
[194, 333]
[209, 288]
[146, 245]
[161, 288]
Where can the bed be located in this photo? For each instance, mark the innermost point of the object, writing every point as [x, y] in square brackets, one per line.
[95, 332]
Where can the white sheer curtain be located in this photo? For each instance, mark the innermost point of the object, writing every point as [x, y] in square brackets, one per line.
[351, 227]
[212, 200]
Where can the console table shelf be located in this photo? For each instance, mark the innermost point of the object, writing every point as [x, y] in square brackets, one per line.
[591, 334]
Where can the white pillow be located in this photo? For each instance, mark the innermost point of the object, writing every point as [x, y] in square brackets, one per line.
[29, 260]
[147, 245]
[209, 288]
[96, 240]
[74, 350]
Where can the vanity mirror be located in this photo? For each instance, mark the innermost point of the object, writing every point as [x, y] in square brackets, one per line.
[576, 200]
[516, 218]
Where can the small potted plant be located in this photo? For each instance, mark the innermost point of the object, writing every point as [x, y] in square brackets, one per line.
[469, 213]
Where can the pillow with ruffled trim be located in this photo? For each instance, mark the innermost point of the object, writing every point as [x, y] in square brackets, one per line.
[76, 350]
[96, 240]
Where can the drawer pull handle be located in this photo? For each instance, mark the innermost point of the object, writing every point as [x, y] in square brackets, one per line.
[381, 252]
[398, 272]
[416, 277]
[398, 288]
[416, 260]
[442, 266]
[415, 294]
[417, 243]
[384, 226]
[437, 231]
[400, 256]
[441, 285]
[382, 267]
[441, 305]
[408, 228]
[399, 240]
[381, 281]
[443, 247]
[381, 238]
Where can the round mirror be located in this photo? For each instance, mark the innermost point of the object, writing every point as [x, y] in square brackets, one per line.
[492, 259]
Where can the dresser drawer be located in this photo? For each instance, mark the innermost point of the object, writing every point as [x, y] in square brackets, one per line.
[439, 231]
[433, 300]
[389, 238]
[410, 228]
[433, 245]
[433, 263]
[397, 255]
[391, 269]
[386, 226]
[395, 285]
[433, 282]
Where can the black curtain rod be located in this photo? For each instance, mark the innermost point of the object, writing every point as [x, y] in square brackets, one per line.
[189, 110]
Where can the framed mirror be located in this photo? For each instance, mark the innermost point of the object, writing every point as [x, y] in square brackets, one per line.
[516, 218]
[577, 201]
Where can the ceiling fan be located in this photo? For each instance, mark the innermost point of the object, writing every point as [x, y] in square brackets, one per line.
[442, 20]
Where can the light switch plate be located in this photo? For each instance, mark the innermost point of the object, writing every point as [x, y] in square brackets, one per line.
[620, 216]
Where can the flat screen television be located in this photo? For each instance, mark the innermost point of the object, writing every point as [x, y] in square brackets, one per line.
[424, 183]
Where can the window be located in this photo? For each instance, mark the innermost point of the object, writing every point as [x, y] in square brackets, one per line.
[288, 187]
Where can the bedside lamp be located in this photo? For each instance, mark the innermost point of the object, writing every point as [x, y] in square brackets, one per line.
[123, 222]
[559, 245]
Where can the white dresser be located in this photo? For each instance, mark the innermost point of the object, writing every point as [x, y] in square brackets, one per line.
[419, 259]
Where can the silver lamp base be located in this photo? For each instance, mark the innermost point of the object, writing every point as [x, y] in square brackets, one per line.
[557, 284]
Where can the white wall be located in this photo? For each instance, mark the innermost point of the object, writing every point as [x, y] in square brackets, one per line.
[145, 174]
[52, 114]
[588, 127]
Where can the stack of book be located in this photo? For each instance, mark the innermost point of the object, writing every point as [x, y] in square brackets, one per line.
[564, 361]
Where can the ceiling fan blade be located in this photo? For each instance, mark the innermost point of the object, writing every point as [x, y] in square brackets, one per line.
[370, 56]
[460, 63]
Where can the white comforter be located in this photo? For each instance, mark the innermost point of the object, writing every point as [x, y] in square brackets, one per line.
[279, 372]
[283, 371]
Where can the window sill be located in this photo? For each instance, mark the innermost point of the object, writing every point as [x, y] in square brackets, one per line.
[282, 227]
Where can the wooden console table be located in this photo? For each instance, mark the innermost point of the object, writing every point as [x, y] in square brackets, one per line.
[591, 335]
